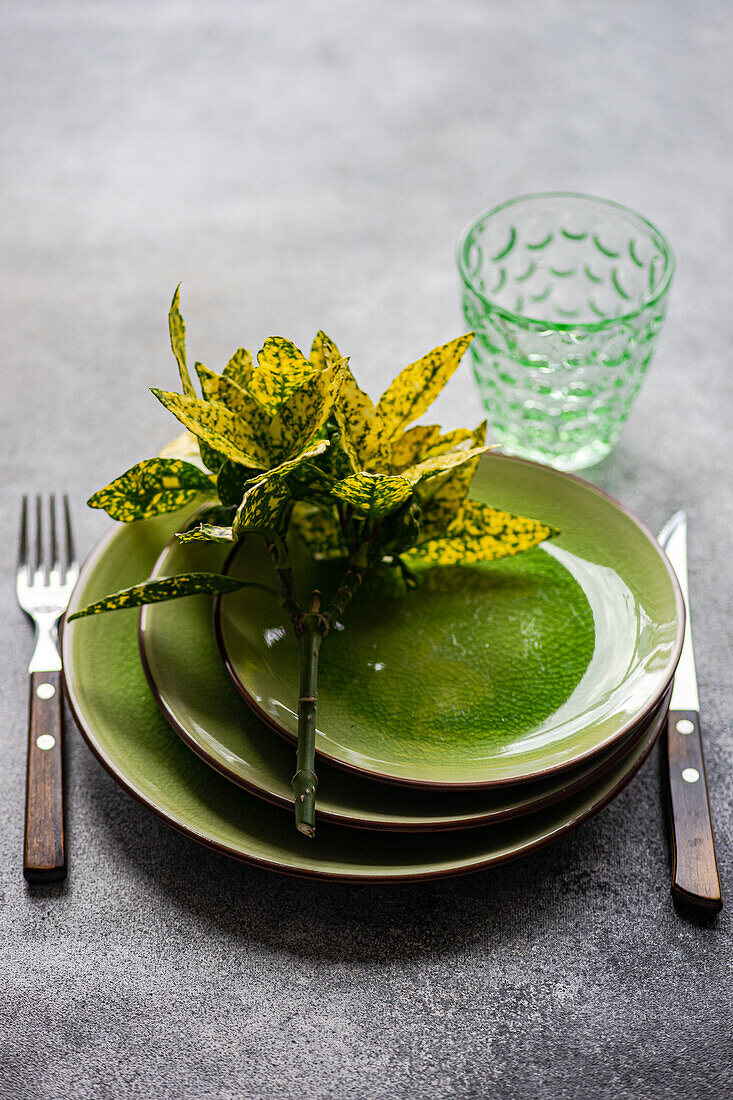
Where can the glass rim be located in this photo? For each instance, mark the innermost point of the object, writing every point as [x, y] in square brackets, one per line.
[564, 326]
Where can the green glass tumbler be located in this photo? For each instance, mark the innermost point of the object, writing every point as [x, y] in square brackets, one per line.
[566, 294]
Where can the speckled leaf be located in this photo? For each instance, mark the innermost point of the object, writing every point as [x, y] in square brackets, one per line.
[263, 506]
[311, 451]
[441, 497]
[423, 441]
[150, 488]
[309, 482]
[324, 352]
[172, 588]
[208, 532]
[416, 387]
[304, 413]
[413, 445]
[211, 458]
[336, 462]
[209, 381]
[281, 369]
[320, 530]
[440, 464]
[481, 533]
[231, 480]
[362, 435]
[373, 495]
[217, 426]
[177, 329]
[239, 368]
[256, 421]
[449, 441]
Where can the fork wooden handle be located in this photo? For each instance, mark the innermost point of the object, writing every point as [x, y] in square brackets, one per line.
[44, 857]
[695, 879]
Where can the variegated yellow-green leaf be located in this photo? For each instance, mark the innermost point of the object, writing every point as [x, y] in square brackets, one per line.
[239, 368]
[172, 588]
[320, 530]
[211, 459]
[413, 445]
[311, 451]
[152, 487]
[324, 352]
[481, 533]
[309, 482]
[336, 462]
[304, 413]
[362, 435]
[217, 426]
[449, 441]
[441, 497]
[177, 329]
[373, 495]
[220, 389]
[423, 441]
[439, 464]
[281, 369]
[208, 532]
[263, 506]
[209, 381]
[416, 387]
[231, 481]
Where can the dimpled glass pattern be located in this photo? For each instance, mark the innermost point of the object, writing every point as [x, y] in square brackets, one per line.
[566, 294]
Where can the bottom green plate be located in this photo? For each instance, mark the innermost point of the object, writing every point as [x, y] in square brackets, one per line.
[117, 715]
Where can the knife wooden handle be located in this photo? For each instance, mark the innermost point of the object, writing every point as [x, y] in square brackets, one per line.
[695, 879]
[44, 856]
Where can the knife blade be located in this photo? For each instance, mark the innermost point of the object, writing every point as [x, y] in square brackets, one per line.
[695, 878]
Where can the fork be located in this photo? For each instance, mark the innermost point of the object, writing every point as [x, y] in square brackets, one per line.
[44, 590]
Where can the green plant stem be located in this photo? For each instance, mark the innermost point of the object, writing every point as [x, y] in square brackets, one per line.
[305, 780]
[351, 582]
[286, 582]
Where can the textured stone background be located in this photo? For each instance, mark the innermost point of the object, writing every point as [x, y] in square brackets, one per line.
[299, 165]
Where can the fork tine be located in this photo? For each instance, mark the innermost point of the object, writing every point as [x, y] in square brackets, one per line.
[70, 552]
[39, 532]
[23, 539]
[54, 543]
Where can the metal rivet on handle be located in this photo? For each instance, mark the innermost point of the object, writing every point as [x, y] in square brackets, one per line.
[685, 726]
[45, 691]
[45, 741]
[690, 775]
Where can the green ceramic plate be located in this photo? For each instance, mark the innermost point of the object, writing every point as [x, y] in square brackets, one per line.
[493, 674]
[191, 687]
[117, 715]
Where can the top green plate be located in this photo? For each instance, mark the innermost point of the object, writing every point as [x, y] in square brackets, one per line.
[499, 673]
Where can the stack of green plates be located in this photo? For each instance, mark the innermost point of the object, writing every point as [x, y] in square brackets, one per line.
[460, 725]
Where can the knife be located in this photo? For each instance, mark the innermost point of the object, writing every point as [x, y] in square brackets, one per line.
[695, 879]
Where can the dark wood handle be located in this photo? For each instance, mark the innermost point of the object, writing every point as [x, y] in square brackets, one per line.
[44, 858]
[695, 879]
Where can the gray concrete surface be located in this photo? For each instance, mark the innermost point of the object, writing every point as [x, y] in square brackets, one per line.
[306, 165]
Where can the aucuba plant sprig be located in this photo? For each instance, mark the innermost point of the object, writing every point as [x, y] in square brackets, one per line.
[290, 448]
